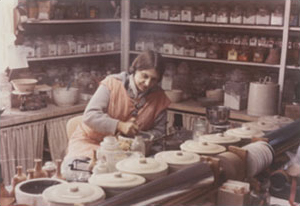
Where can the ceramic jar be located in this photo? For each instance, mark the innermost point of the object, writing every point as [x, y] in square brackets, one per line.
[18, 177]
[201, 147]
[263, 126]
[75, 193]
[149, 168]
[244, 132]
[38, 171]
[116, 182]
[177, 159]
[220, 138]
[276, 119]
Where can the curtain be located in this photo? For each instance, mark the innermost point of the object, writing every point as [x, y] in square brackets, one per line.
[20, 145]
[57, 136]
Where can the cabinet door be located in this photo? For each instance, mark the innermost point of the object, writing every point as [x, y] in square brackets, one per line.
[20, 145]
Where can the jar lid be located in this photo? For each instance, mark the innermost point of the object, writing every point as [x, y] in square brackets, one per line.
[244, 132]
[177, 157]
[263, 126]
[202, 147]
[117, 180]
[276, 119]
[141, 165]
[110, 143]
[74, 193]
[220, 138]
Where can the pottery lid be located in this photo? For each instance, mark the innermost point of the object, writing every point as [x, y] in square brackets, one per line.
[276, 119]
[117, 180]
[202, 147]
[73, 193]
[177, 157]
[141, 165]
[220, 138]
[263, 126]
[244, 132]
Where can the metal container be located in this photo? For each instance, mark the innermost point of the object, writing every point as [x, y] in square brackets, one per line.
[217, 115]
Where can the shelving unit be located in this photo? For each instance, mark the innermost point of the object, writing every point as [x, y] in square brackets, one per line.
[72, 21]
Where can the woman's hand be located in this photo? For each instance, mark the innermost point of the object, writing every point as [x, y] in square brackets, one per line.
[129, 128]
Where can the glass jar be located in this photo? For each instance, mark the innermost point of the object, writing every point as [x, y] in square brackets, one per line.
[140, 43]
[211, 14]
[236, 15]
[199, 14]
[93, 12]
[249, 16]
[29, 47]
[263, 16]
[62, 46]
[178, 48]
[144, 12]
[244, 54]
[110, 46]
[164, 13]
[153, 12]
[199, 128]
[71, 44]
[277, 16]
[201, 50]
[81, 45]
[175, 13]
[294, 17]
[223, 15]
[41, 47]
[168, 46]
[52, 47]
[187, 13]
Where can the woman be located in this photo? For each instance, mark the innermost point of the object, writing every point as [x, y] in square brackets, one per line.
[124, 103]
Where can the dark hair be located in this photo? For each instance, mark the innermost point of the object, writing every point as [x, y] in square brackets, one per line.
[148, 60]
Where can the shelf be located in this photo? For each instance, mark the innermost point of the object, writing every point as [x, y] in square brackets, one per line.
[293, 67]
[231, 26]
[73, 56]
[72, 21]
[216, 60]
[294, 28]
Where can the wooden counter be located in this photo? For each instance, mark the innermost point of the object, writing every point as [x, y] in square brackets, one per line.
[195, 107]
[15, 116]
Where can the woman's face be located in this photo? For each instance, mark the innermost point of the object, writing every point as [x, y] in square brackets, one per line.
[146, 79]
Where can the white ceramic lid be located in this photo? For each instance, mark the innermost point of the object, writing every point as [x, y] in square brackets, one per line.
[73, 193]
[117, 180]
[177, 157]
[244, 132]
[220, 138]
[201, 147]
[263, 126]
[141, 165]
[276, 119]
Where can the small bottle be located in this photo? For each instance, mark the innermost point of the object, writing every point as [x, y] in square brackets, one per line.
[30, 173]
[199, 129]
[38, 171]
[58, 174]
[50, 168]
[138, 144]
[17, 178]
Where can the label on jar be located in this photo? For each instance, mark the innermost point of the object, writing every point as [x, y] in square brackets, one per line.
[186, 15]
[164, 15]
[222, 19]
[199, 17]
[211, 18]
[81, 48]
[276, 19]
[249, 20]
[139, 46]
[29, 51]
[153, 14]
[52, 50]
[178, 50]
[168, 48]
[253, 41]
[110, 46]
[236, 20]
[103, 46]
[72, 48]
[144, 13]
[189, 52]
[201, 54]
[263, 20]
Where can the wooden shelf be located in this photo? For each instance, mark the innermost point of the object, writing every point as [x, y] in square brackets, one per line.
[72, 21]
[293, 67]
[73, 56]
[216, 60]
[195, 107]
[294, 28]
[216, 25]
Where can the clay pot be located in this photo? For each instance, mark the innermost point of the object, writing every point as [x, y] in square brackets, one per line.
[17, 178]
[30, 173]
[38, 171]
[58, 174]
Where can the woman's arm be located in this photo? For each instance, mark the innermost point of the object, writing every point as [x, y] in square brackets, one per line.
[160, 125]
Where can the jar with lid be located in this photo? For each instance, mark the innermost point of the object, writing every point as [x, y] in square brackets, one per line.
[29, 47]
[144, 12]
[223, 15]
[178, 48]
[244, 54]
[187, 13]
[249, 15]
[99, 39]
[232, 53]
[153, 12]
[164, 12]
[199, 13]
[52, 47]
[149, 43]
[110, 46]
[277, 16]
[32, 9]
[41, 47]
[199, 128]
[117, 42]
[103, 45]
[81, 45]
[62, 46]
[168, 46]
[140, 43]
[189, 48]
[201, 50]
[213, 51]
[259, 54]
[71, 44]
[93, 12]
[263, 16]
[211, 14]
[294, 16]
[175, 13]
[236, 15]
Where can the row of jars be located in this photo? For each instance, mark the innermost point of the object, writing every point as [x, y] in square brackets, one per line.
[214, 46]
[45, 46]
[212, 13]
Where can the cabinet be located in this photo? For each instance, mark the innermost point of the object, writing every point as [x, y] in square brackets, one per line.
[164, 33]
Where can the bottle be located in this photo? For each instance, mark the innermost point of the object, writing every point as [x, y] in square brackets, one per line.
[38, 171]
[199, 128]
[30, 173]
[138, 144]
[58, 174]
[50, 168]
[17, 178]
